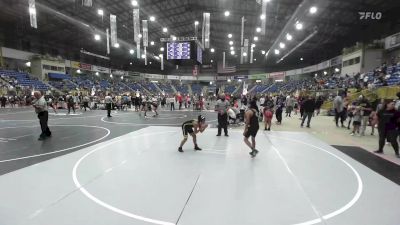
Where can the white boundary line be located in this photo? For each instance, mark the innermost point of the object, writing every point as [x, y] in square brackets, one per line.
[103, 204]
[349, 204]
[58, 151]
[149, 220]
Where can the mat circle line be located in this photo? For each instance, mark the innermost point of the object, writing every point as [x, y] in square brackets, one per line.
[57, 151]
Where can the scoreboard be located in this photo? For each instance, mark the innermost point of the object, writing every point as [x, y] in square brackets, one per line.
[178, 50]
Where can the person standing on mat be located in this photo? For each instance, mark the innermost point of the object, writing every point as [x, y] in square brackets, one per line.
[222, 109]
[251, 128]
[388, 120]
[40, 106]
[193, 127]
[108, 102]
[70, 104]
[309, 107]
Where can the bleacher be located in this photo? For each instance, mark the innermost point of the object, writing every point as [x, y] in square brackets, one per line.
[166, 88]
[197, 89]
[183, 89]
[230, 89]
[25, 80]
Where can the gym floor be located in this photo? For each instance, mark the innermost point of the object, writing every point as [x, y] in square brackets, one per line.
[126, 170]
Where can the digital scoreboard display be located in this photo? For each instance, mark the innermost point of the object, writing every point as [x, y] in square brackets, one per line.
[178, 50]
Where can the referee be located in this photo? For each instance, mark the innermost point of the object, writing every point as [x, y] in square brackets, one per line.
[40, 106]
[222, 109]
[108, 102]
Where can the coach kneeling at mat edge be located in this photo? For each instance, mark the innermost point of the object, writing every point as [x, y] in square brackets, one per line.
[40, 106]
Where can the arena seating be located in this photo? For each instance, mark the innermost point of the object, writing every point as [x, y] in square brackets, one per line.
[23, 79]
[183, 89]
[166, 88]
[197, 89]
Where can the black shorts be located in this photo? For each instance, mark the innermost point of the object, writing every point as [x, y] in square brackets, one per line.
[356, 123]
[252, 131]
[187, 129]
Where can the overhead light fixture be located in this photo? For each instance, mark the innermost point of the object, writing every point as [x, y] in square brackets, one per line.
[253, 45]
[131, 51]
[140, 35]
[150, 63]
[161, 49]
[230, 42]
[301, 59]
[313, 10]
[135, 3]
[116, 45]
[289, 37]
[143, 56]
[337, 70]
[325, 73]
[244, 54]
[212, 50]
[255, 38]
[229, 80]
[160, 55]
[227, 13]
[316, 74]
[97, 74]
[299, 25]
[232, 48]
[28, 64]
[130, 63]
[258, 29]
[206, 40]
[152, 18]
[240, 80]
[111, 76]
[232, 52]
[282, 45]
[255, 59]
[122, 77]
[174, 38]
[262, 16]
[229, 35]
[165, 30]
[158, 58]
[152, 43]
[79, 71]
[196, 22]
[276, 51]
[97, 37]
[100, 12]
[211, 61]
[263, 52]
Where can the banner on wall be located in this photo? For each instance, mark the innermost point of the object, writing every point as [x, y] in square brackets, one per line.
[75, 65]
[392, 41]
[172, 77]
[205, 78]
[118, 72]
[153, 76]
[323, 65]
[260, 76]
[188, 78]
[277, 75]
[85, 66]
[336, 61]
[113, 26]
[100, 69]
[290, 72]
[241, 77]
[310, 69]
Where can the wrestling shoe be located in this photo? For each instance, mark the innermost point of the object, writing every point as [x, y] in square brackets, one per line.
[180, 149]
[197, 148]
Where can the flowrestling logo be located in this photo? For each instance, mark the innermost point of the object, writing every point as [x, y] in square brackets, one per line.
[370, 15]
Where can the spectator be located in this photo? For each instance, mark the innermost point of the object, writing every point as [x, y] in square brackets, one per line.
[387, 126]
[339, 109]
[366, 110]
[309, 107]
